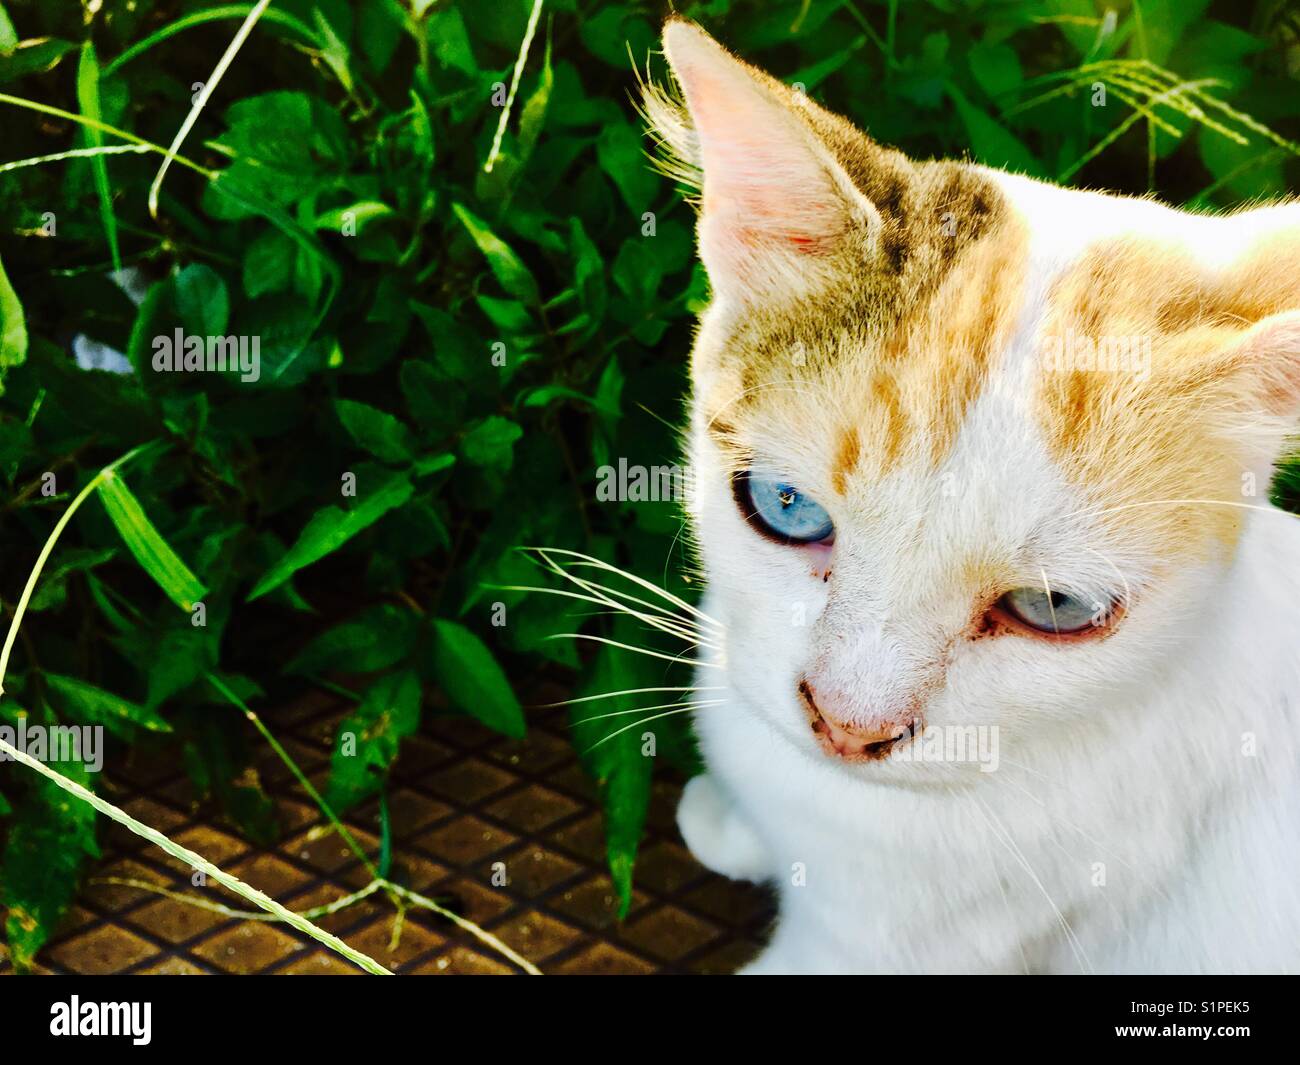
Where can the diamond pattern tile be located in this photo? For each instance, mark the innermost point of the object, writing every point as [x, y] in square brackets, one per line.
[103, 949]
[507, 834]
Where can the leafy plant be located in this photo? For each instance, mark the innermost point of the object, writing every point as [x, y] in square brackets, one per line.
[470, 290]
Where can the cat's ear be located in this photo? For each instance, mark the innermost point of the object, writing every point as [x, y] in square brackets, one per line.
[775, 203]
[1270, 352]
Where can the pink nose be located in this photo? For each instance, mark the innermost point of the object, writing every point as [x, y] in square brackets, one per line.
[869, 742]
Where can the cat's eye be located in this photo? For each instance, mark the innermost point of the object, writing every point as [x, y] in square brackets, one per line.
[1056, 612]
[780, 510]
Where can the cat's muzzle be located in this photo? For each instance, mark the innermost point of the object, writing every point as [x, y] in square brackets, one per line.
[872, 742]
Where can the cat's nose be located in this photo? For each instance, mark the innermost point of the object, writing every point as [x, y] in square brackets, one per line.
[846, 734]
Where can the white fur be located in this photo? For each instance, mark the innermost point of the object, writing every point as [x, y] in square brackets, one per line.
[1124, 758]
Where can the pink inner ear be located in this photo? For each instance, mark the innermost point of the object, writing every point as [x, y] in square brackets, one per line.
[766, 183]
[771, 186]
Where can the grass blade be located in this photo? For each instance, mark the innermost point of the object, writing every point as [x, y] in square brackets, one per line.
[209, 86]
[150, 549]
[88, 101]
[214, 14]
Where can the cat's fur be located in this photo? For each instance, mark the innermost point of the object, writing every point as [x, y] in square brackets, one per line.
[877, 335]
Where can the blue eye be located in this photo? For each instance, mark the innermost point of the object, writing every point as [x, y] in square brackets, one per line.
[1059, 613]
[778, 509]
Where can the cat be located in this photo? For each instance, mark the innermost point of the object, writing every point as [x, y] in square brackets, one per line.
[1011, 655]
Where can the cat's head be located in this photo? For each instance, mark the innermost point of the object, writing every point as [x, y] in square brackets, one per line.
[944, 416]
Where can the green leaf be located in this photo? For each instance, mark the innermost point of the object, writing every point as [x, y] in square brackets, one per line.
[995, 66]
[331, 527]
[993, 144]
[259, 124]
[334, 53]
[436, 406]
[621, 154]
[615, 32]
[16, 445]
[87, 703]
[88, 101]
[588, 271]
[637, 271]
[268, 264]
[201, 300]
[509, 269]
[380, 26]
[271, 168]
[427, 464]
[378, 432]
[473, 680]
[1163, 23]
[33, 56]
[49, 842]
[52, 591]
[445, 31]
[8, 36]
[99, 593]
[608, 736]
[181, 657]
[352, 218]
[533, 116]
[284, 323]
[811, 77]
[150, 549]
[13, 328]
[375, 639]
[369, 739]
[510, 316]
[491, 443]
[1248, 171]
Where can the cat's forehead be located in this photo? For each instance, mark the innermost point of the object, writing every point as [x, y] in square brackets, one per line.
[1089, 319]
[881, 365]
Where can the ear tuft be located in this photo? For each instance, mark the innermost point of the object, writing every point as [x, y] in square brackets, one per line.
[669, 122]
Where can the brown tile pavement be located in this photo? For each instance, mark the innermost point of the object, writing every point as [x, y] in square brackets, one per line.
[505, 833]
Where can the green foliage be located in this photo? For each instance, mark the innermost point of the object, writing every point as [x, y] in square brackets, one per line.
[51, 837]
[369, 738]
[449, 350]
[472, 679]
[149, 548]
[13, 328]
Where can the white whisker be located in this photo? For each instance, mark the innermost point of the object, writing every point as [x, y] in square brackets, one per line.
[631, 647]
[681, 631]
[647, 709]
[1155, 502]
[1128, 592]
[635, 724]
[588, 560]
[1000, 831]
[632, 691]
[593, 586]
[602, 592]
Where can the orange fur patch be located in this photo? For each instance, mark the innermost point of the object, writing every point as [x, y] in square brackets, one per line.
[1174, 432]
[943, 356]
[846, 458]
[893, 352]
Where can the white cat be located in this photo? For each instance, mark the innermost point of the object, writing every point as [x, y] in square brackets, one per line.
[1011, 633]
